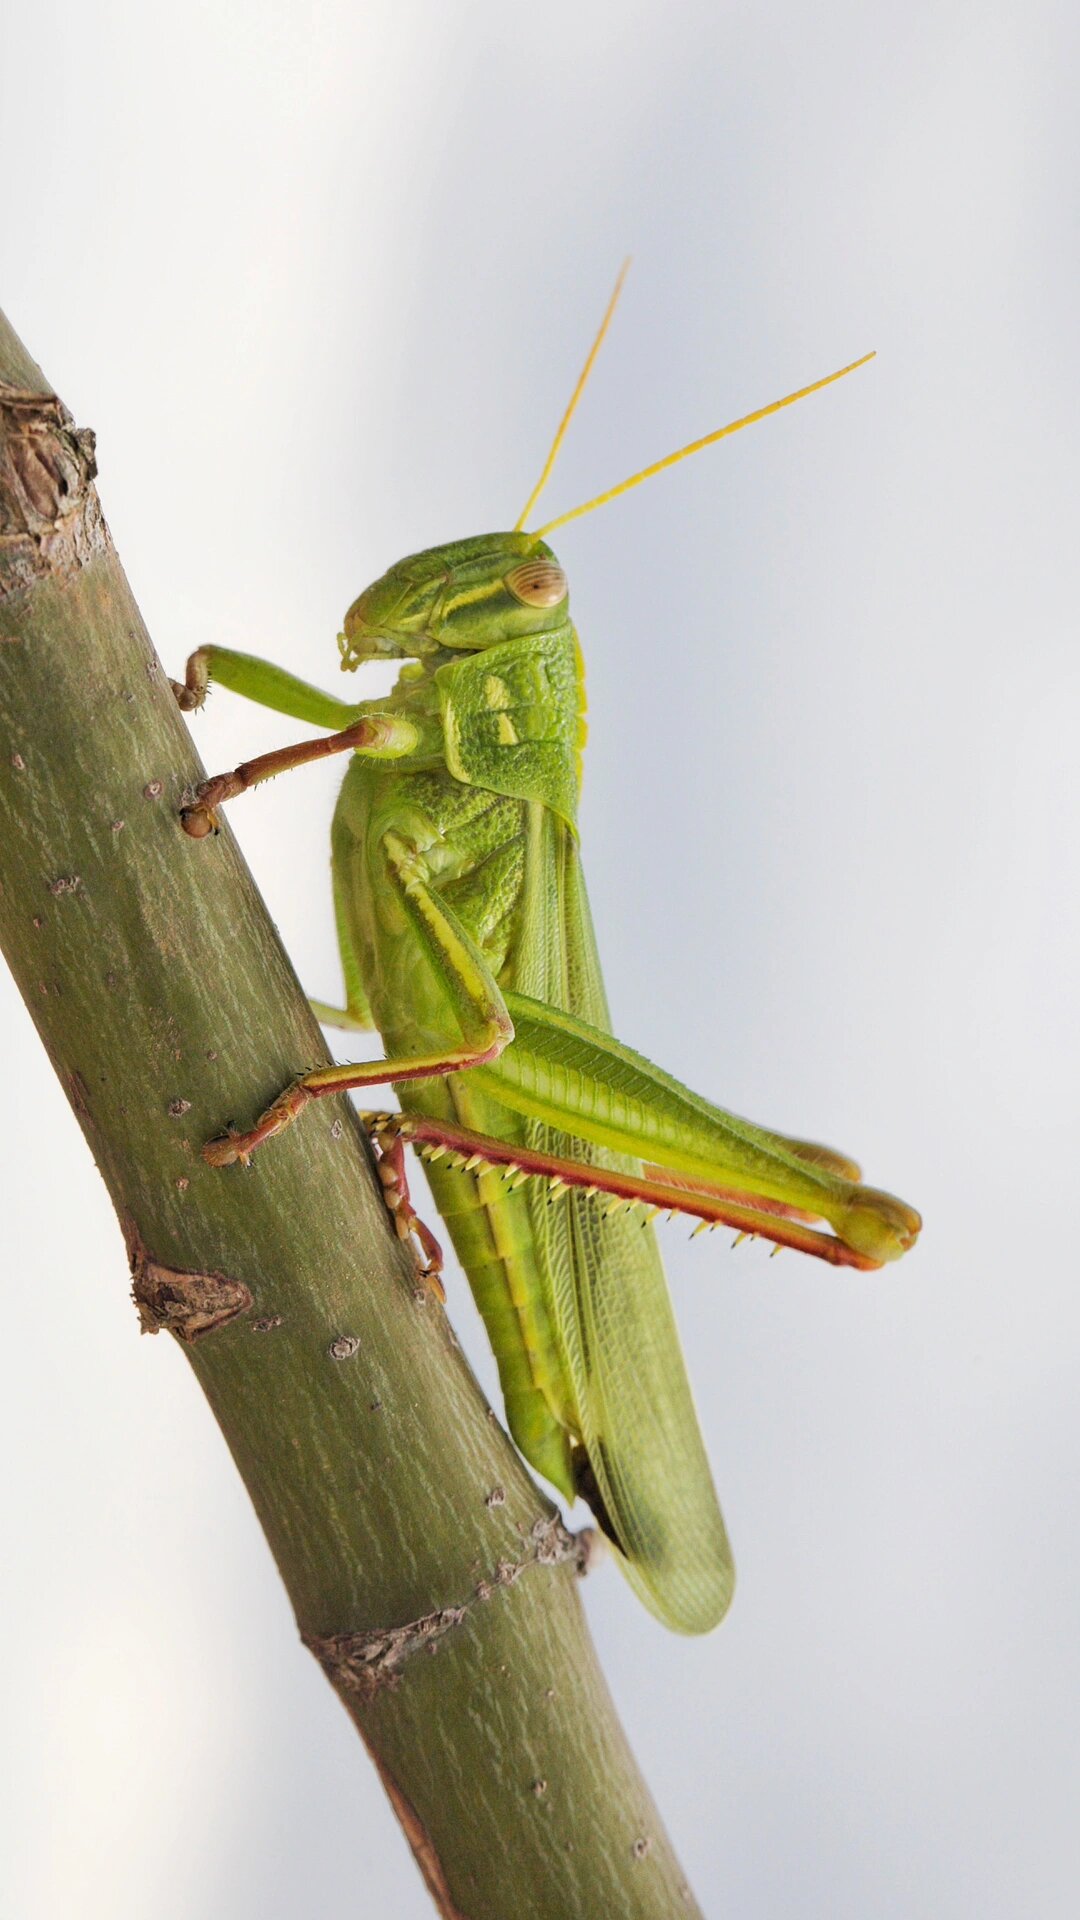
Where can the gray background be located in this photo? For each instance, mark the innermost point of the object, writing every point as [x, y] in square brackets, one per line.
[322, 277]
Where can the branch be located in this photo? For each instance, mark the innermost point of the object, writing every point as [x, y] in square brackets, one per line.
[403, 1523]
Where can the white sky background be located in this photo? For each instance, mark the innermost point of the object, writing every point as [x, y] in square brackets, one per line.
[321, 278]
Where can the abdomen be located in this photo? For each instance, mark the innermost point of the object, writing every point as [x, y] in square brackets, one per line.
[476, 848]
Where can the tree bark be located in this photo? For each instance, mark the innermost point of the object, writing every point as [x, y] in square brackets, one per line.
[403, 1523]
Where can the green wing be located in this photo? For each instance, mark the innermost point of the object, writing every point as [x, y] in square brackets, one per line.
[609, 1304]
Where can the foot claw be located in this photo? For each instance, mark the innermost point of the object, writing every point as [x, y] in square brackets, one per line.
[432, 1277]
[232, 1146]
[226, 1149]
[199, 822]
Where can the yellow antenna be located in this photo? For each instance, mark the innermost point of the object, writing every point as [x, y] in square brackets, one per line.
[574, 398]
[695, 446]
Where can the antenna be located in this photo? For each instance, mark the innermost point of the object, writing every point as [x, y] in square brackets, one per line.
[574, 398]
[695, 446]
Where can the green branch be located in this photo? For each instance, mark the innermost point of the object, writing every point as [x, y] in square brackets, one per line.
[401, 1520]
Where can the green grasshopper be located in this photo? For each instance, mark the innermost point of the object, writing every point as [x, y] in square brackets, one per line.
[466, 940]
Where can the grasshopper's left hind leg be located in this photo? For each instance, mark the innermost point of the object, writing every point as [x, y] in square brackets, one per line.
[393, 1178]
[654, 1189]
[583, 1081]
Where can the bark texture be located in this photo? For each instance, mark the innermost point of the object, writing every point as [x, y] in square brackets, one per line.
[429, 1577]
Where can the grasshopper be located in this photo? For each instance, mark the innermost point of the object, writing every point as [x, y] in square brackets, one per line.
[466, 940]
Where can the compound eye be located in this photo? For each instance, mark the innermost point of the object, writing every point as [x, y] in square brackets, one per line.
[538, 583]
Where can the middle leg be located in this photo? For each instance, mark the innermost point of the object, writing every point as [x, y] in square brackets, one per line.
[473, 1005]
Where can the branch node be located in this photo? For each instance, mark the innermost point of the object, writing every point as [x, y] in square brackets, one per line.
[51, 522]
[191, 1305]
[362, 1663]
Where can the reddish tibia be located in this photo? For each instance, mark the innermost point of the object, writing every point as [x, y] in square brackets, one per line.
[711, 1206]
[384, 734]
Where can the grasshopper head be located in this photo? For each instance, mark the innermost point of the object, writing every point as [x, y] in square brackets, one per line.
[463, 597]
